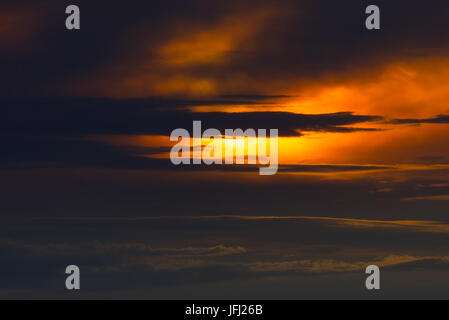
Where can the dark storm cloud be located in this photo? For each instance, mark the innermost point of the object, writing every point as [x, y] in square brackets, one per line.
[55, 56]
[98, 116]
[315, 38]
[329, 36]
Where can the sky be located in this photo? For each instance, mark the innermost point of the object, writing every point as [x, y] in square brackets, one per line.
[86, 178]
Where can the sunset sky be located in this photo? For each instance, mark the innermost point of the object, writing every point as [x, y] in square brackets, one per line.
[86, 179]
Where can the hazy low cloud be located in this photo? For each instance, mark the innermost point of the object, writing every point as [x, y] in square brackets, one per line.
[428, 198]
[325, 266]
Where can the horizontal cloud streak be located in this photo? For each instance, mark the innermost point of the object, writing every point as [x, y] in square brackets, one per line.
[428, 198]
[102, 116]
[406, 225]
[325, 266]
[441, 119]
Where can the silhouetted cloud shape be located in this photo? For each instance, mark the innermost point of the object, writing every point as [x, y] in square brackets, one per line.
[443, 119]
[104, 116]
[21, 152]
